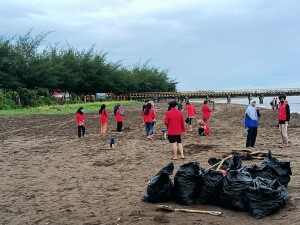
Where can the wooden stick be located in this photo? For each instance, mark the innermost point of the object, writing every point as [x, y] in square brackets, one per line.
[223, 160]
[257, 157]
[218, 163]
[255, 153]
[213, 166]
[170, 209]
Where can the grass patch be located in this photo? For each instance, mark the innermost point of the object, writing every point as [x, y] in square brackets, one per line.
[67, 108]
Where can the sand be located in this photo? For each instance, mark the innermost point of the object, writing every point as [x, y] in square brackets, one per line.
[50, 176]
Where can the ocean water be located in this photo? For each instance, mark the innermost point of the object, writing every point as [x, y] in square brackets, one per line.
[294, 102]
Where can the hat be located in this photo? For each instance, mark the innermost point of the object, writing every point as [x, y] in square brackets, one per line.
[253, 100]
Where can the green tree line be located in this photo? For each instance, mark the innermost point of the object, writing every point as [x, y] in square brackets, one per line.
[26, 63]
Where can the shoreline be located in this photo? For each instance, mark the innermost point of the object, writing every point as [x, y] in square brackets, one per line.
[243, 104]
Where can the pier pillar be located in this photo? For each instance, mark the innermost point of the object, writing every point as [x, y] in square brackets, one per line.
[261, 99]
[228, 99]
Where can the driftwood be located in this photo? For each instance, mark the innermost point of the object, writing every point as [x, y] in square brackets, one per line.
[222, 161]
[219, 164]
[248, 155]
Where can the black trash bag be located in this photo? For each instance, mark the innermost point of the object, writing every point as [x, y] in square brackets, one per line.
[209, 187]
[186, 181]
[234, 163]
[282, 169]
[259, 171]
[265, 172]
[212, 161]
[160, 187]
[232, 195]
[265, 197]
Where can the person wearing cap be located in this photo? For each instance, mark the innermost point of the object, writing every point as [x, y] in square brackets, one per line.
[283, 120]
[251, 123]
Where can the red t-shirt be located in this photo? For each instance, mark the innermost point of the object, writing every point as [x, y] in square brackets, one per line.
[207, 128]
[80, 119]
[119, 117]
[190, 110]
[205, 112]
[149, 118]
[174, 120]
[103, 118]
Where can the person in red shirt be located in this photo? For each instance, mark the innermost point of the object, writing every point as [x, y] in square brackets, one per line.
[80, 122]
[103, 119]
[191, 111]
[204, 129]
[206, 112]
[284, 115]
[119, 117]
[149, 116]
[174, 121]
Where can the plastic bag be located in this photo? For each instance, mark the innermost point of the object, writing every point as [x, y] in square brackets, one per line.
[160, 187]
[232, 195]
[266, 197]
[265, 172]
[282, 169]
[186, 181]
[230, 164]
[209, 186]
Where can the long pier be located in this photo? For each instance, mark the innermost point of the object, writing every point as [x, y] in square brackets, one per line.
[260, 93]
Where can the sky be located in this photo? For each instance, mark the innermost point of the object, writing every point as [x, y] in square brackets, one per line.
[204, 44]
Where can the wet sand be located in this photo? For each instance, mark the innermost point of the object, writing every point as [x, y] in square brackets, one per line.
[50, 176]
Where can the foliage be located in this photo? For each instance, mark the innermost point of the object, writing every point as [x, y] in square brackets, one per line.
[66, 108]
[32, 70]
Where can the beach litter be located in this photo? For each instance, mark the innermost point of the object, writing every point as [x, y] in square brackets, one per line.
[259, 189]
[160, 187]
[170, 209]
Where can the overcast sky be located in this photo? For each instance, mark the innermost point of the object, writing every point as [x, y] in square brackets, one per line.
[205, 44]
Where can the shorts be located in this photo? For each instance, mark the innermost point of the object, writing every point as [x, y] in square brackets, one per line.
[189, 120]
[174, 138]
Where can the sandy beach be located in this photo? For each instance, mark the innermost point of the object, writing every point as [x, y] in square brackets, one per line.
[50, 176]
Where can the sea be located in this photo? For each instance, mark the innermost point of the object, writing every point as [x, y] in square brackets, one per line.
[294, 102]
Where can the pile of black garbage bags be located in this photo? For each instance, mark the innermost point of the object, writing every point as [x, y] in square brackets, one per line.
[258, 189]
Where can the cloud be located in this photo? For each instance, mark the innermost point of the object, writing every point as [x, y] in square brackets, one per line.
[206, 44]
